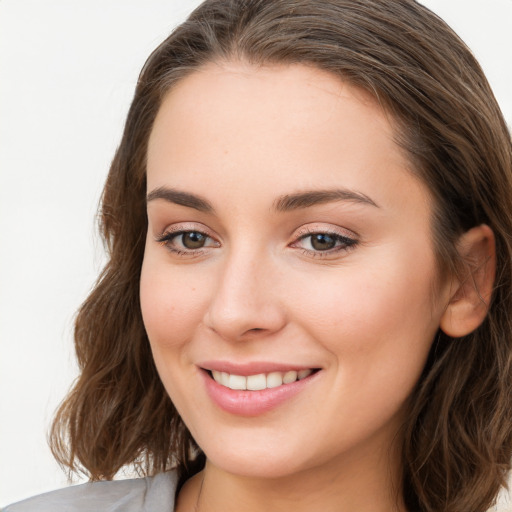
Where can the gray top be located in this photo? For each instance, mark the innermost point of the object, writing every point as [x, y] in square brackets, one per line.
[150, 494]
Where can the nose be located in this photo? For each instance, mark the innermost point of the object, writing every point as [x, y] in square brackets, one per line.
[246, 303]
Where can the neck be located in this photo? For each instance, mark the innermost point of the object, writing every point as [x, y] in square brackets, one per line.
[368, 483]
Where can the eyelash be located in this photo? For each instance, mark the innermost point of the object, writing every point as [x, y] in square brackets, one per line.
[167, 238]
[342, 242]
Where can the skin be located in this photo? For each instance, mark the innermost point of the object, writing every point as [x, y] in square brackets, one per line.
[241, 137]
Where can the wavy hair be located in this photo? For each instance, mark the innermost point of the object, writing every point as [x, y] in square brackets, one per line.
[458, 432]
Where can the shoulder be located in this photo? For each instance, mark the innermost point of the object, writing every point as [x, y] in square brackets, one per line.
[150, 494]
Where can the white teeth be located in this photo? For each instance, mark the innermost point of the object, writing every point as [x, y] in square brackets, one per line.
[274, 380]
[289, 377]
[256, 382]
[224, 379]
[259, 381]
[237, 382]
[302, 374]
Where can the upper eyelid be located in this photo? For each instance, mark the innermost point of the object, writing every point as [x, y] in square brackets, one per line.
[314, 228]
[187, 227]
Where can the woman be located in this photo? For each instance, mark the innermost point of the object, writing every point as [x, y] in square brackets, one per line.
[307, 301]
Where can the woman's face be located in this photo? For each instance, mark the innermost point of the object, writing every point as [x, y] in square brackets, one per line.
[289, 251]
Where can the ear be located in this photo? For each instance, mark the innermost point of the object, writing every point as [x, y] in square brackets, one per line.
[471, 290]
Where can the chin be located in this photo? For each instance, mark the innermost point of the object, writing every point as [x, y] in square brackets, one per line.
[255, 466]
[256, 459]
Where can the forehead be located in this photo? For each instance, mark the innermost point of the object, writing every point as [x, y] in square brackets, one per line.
[230, 95]
[275, 128]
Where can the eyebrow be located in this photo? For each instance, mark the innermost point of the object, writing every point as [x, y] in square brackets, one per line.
[310, 198]
[285, 203]
[182, 198]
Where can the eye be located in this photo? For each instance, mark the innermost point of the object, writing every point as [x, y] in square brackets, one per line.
[186, 241]
[193, 239]
[323, 243]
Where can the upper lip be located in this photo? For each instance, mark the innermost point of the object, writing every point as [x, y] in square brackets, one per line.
[252, 368]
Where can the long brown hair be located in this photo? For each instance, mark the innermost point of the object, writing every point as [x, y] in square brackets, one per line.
[458, 435]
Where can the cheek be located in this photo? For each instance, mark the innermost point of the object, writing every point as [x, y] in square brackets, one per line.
[172, 305]
[374, 318]
[378, 328]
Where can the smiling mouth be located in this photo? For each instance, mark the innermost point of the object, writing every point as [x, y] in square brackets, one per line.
[259, 381]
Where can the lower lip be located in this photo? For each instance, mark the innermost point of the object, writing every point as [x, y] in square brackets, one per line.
[253, 403]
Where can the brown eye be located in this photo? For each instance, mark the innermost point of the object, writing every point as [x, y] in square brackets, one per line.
[193, 240]
[187, 242]
[325, 244]
[322, 241]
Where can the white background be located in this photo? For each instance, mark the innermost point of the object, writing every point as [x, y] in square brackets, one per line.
[67, 73]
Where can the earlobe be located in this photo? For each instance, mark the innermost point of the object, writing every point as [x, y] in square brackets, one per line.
[472, 288]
